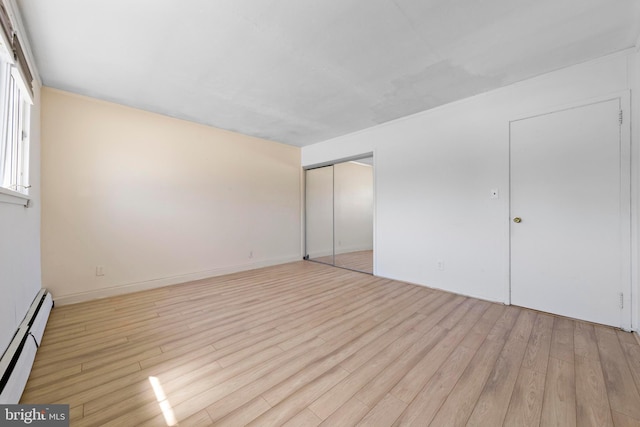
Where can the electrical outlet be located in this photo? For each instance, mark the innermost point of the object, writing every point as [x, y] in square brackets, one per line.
[440, 265]
[99, 270]
[250, 254]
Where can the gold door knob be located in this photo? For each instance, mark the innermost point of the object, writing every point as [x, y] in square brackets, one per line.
[517, 220]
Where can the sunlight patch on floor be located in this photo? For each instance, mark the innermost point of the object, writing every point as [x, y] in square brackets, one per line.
[165, 406]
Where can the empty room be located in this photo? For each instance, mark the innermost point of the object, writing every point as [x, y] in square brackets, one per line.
[305, 213]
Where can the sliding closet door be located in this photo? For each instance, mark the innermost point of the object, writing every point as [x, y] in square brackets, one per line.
[319, 214]
[353, 213]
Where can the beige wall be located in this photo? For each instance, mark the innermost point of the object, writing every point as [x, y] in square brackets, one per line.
[156, 200]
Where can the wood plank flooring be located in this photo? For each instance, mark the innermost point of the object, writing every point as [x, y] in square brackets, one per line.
[305, 344]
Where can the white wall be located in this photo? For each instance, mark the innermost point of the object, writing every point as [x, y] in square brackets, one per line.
[20, 276]
[156, 200]
[435, 170]
[20, 273]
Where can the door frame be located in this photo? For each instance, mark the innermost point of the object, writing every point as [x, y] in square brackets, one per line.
[628, 203]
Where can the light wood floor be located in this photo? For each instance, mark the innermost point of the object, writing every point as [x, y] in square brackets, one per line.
[359, 261]
[306, 344]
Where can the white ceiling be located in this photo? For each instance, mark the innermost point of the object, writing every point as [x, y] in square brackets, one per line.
[303, 71]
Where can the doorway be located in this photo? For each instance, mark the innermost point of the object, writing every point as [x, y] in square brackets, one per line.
[570, 213]
[339, 215]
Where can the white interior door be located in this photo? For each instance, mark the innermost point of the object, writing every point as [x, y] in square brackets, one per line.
[569, 253]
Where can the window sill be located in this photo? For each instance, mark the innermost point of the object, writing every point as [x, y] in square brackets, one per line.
[14, 197]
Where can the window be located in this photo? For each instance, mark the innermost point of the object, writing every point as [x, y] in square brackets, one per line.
[14, 141]
[16, 97]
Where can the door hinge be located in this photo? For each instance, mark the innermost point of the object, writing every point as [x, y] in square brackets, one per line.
[621, 300]
[620, 117]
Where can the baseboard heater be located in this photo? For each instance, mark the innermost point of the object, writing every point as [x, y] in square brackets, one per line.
[17, 360]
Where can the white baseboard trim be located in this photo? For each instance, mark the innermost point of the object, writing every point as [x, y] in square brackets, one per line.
[450, 291]
[167, 281]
